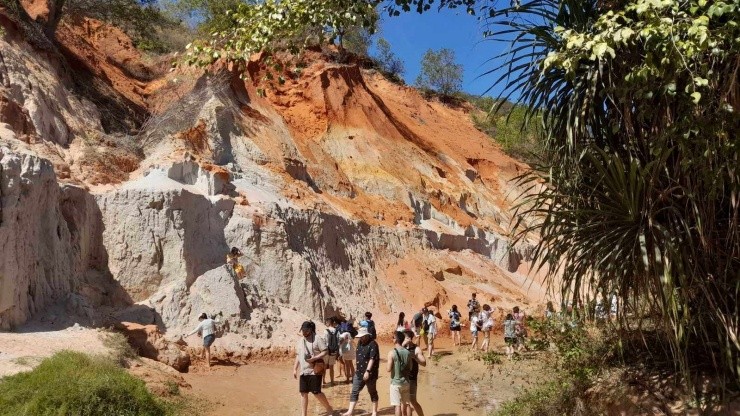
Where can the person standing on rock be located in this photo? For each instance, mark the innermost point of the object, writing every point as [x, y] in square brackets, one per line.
[309, 364]
[455, 326]
[207, 328]
[418, 359]
[399, 366]
[472, 306]
[368, 363]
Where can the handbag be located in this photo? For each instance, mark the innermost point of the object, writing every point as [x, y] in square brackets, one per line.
[318, 366]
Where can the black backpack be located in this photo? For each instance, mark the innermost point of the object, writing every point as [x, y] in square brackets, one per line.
[425, 325]
[333, 341]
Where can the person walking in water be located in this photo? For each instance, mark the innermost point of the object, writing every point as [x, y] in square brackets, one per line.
[332, 345]
[399, 366]
[368, 363]
[455, 325]
[309, 365]
[207, 329]
[429, 326]
[347, 351]
[417, 356]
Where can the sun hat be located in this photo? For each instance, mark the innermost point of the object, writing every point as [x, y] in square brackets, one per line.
[362, 332]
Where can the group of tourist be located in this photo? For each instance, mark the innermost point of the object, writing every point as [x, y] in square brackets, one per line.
[482, 322]
[316, 355]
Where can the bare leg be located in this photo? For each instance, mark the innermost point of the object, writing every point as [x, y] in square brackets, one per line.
[417, 407]
[351, 409]
[304, 404]
[324, 402]
[375, 409]
[208, 356]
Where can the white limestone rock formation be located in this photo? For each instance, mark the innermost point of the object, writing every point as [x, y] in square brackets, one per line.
[35, 262]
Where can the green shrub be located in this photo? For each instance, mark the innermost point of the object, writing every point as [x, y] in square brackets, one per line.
[490, 358]
[556, 398]
[120, 350]
[71, 383]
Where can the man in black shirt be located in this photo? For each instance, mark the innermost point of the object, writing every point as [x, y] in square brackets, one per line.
[418, 359]
[366, 374]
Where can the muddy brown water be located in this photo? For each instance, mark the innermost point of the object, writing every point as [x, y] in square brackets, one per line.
[454, 384]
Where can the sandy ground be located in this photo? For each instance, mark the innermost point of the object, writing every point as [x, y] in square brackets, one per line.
[21, 351]
[454, 384]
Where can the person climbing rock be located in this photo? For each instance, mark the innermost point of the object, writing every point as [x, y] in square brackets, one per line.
[232, 260]
[207, 329]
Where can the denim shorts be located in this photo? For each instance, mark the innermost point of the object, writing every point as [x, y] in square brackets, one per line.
[208, 340]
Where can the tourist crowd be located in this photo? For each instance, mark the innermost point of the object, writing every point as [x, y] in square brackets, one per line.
[357, 353]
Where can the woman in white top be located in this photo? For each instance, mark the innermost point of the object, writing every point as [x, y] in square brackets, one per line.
[347, 351]
[207, 328]
[402, 324]
[486, 320]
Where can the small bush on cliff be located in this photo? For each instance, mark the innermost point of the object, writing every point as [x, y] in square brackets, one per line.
[71, 383]
[150, 29]
[389, 64]
[440, 73]
[507, 124]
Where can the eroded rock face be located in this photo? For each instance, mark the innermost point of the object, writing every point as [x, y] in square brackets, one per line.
[36, 99]
[149, 342]
[35, 246]
[345, 193]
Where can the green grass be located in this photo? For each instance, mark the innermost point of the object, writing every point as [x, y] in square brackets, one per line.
[71, 383]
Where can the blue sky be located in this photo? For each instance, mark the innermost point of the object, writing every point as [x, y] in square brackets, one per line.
[412, 34]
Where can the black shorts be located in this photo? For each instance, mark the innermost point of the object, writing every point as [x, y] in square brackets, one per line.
[455, 328]
[310, 384]
[510, 340]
